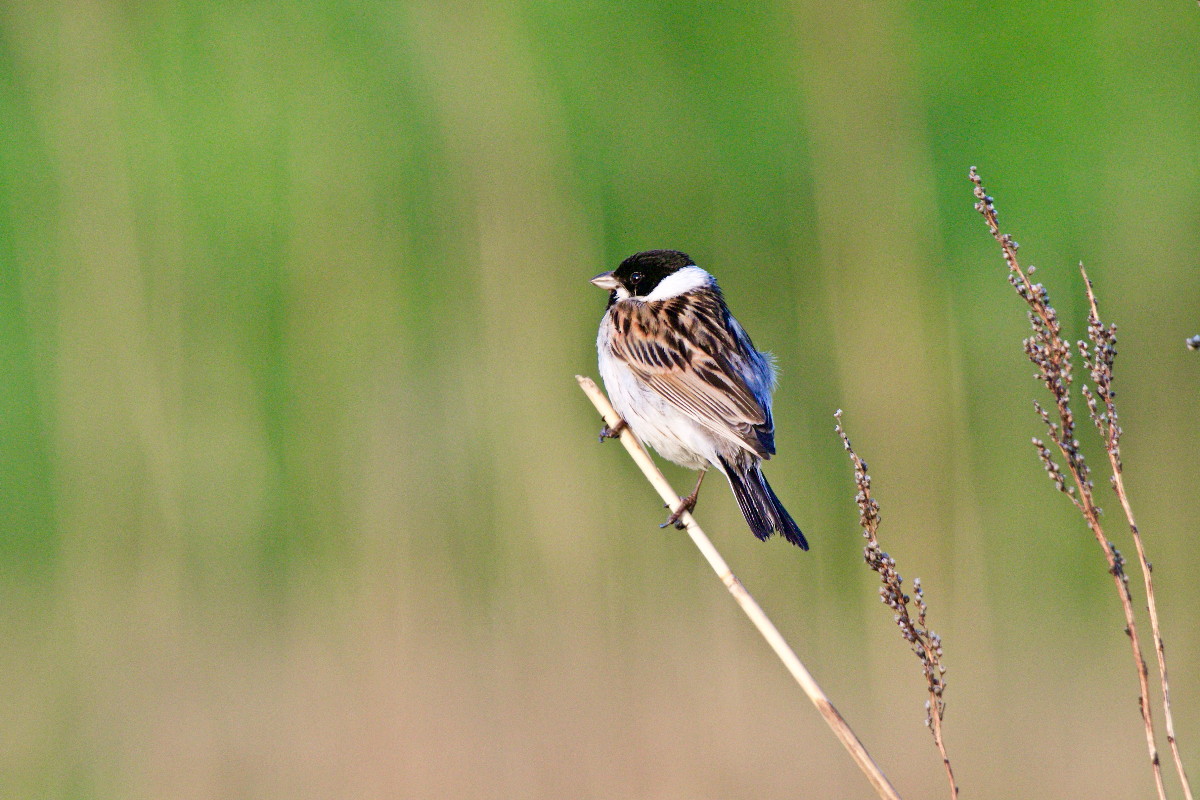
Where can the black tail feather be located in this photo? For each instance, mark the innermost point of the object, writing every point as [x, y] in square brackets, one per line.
[760, 506]
[750, 500]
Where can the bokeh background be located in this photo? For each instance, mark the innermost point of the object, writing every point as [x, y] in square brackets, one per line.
[299, 498]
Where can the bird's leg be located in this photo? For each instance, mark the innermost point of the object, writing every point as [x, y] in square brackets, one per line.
[685, 504]
[613, 432]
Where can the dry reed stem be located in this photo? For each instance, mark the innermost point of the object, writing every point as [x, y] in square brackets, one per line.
[747, 603]
[1052, 356]
[926, 644]
[1099, 358]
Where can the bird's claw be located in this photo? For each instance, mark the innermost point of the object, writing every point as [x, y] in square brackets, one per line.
[612, 433]
[686, 504]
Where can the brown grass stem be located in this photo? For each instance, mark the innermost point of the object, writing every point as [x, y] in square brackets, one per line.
[1051, 354]
[1099, 358]
[752, 609]
[926, 644]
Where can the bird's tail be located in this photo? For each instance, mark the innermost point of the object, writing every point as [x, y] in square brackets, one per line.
[761, 508]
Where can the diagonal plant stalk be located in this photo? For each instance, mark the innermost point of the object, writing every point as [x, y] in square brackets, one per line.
[1052, 355]
[747, 603]
[1099, 358]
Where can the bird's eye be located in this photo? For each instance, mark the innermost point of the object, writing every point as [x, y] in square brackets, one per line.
[636, 278]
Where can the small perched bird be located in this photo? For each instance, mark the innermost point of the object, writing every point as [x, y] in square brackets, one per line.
[686, 378]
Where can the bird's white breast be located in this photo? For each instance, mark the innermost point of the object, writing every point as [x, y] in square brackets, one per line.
[658, 423]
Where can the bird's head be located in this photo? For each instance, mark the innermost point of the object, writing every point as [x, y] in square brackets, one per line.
[653, 275]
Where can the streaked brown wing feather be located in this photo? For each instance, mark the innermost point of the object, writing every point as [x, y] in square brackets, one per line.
[683, 350]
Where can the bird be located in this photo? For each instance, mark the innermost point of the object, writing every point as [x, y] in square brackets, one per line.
[687, 380]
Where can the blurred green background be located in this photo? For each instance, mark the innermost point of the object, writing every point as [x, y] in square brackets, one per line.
[300, 499]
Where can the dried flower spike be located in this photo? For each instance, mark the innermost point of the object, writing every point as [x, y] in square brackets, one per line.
[1051, 355]
[926, 644]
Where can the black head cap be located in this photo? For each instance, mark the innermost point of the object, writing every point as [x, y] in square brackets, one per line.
[641, 272]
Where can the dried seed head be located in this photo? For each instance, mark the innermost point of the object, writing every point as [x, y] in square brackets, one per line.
[926, 645]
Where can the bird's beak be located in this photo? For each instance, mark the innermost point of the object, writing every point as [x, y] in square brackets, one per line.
[605, 281]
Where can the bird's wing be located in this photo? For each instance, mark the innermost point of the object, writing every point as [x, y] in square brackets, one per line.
[690, 351]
